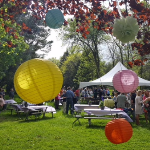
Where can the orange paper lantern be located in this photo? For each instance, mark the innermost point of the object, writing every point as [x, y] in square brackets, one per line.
[118, 131]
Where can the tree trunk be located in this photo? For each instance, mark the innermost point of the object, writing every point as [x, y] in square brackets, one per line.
[121, 55]
[97, 63]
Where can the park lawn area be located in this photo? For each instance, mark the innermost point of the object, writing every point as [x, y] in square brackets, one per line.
[58, 134]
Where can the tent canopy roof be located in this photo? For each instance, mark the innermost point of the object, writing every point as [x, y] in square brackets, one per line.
[108, 77]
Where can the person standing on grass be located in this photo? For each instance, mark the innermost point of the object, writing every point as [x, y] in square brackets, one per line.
[3, 105]
[91, 93]
[138, 106]
[69, 98]
[104, 92]
[100, 93]
[82, 92]
[146, 95]
[2, 102]
[12, 93]
[57, 98]
[2, 93]
[77, 92]
[121, 101]
[108, 92]
[133, 95]
[113, 93]
[95, 93]
[64, 101]
[115, 98]
[85, 93]
[146, 103]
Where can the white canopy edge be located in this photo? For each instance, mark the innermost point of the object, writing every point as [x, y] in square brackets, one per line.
[107, 78]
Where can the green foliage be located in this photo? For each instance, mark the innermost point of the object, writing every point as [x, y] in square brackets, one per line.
[12, 44]
[89, 44]
[69, 69]
[55, 61]
[63, 58]
[87, 69]
[101, 104]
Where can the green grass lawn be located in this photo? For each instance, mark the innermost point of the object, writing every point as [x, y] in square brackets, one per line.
[57, 134]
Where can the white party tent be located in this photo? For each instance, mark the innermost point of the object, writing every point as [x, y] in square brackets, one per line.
[107, 78]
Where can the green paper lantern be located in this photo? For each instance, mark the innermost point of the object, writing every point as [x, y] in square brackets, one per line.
[54, 18]
[125, 29]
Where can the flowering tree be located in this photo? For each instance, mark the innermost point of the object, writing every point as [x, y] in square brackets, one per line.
[87, 10]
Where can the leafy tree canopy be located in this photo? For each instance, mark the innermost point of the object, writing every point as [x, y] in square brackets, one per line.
[84, 12]
[12, 44]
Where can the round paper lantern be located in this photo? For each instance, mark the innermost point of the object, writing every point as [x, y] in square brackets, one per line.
[37, 81]
[125, 81]
[54, 18]
[109, 103]
[118, 131]
[125, 29]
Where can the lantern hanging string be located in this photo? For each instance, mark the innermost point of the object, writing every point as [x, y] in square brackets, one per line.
[120, 67]
[126, 7]
[101, 82]
[119, 11]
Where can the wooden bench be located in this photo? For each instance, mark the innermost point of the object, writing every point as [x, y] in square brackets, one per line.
[38, 112]
[35, 113]
[94, 117]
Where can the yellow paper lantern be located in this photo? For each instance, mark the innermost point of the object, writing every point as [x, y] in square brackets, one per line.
[37, 81]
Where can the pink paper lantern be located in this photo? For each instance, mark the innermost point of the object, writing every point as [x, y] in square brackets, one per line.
[125, 81]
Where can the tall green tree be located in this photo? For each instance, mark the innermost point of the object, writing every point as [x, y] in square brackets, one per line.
[63, 58]
[90, 42]
[87, 69]
[69, 69]
[55, 61]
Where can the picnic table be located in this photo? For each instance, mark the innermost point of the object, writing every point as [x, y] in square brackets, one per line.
[42, 109]
[10, 101]
[94, 112]
[33, 110]
[101, 114]
[78, 108]
[81, 107]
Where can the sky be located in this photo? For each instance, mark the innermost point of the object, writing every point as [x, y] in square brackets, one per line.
[57, 49]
